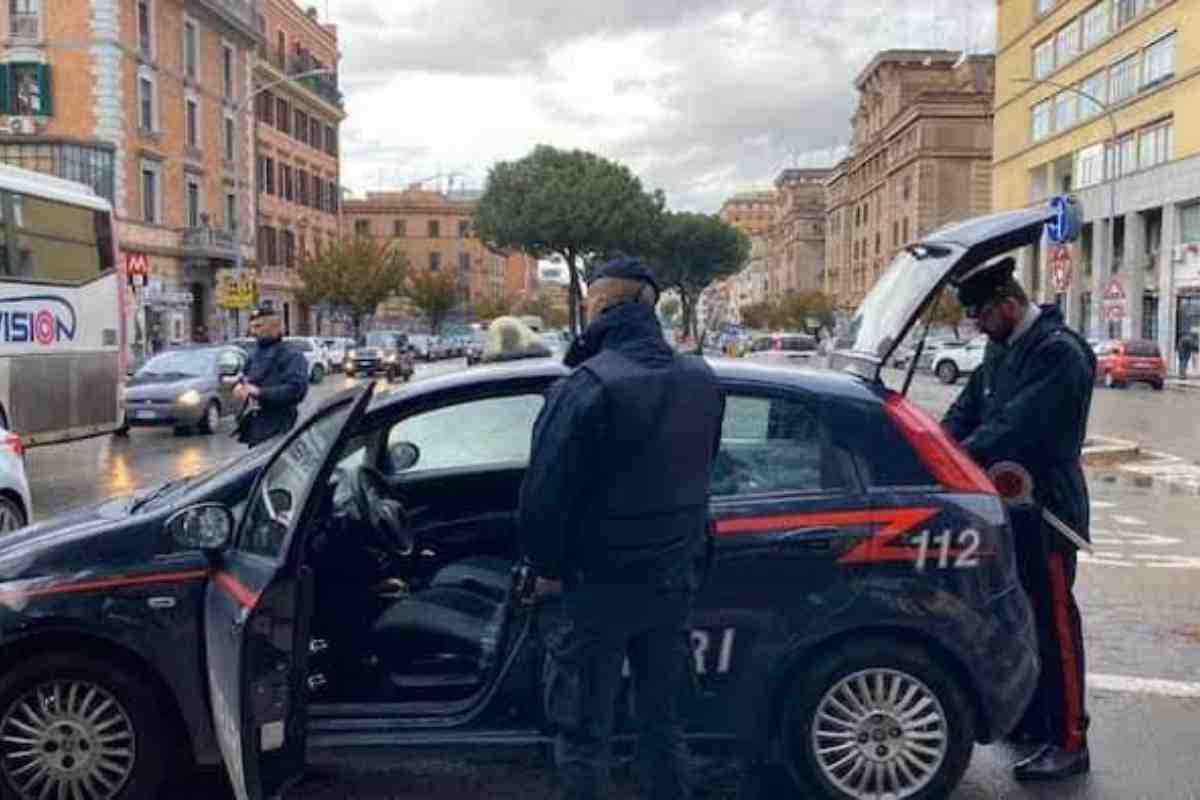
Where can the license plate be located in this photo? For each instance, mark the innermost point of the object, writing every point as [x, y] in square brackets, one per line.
[145, 414]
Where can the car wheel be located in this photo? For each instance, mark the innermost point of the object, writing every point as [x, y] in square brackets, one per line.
[1158, 385]
[12, 516]
[318, 374]
[947, 372]
[877, 719]
[72, 725]
[212, 418]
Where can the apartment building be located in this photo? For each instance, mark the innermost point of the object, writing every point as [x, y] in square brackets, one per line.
[140, 100]
[796, 238]
[1099, 98]
[752, 212]
[920, 157]
[298, 114]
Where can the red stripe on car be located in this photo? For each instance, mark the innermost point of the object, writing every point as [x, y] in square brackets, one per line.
[82, 587]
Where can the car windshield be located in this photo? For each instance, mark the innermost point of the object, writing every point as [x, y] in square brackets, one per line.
[897, 296]
[188, 363]
[381, 339]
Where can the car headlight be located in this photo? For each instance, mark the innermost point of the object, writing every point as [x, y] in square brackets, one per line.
[391, 358]
[189, 398]
[351, 354]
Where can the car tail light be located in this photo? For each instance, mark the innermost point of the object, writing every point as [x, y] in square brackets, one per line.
[949, 463]
[13, 442]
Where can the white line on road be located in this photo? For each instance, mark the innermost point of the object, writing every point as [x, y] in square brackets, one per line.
[1123, 520]
[1102, 504]
[1131, 684]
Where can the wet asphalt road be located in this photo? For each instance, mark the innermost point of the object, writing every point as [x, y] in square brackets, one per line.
[1140, 596]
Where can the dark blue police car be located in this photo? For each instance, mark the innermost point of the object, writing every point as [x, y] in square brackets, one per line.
[356, 586]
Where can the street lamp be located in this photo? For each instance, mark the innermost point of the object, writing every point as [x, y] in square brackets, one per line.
[1111, 178]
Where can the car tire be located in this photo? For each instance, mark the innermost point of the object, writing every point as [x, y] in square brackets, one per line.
[12, 515]
[318, 374]
[211, 419]
[814, 724]
[947, 372]
[133, 712]
[1157, 385]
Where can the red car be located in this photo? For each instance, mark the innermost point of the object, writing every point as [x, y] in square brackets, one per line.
[1124, 361]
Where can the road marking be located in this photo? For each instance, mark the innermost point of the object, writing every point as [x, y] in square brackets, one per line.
[1102, 504]
[1132, 684]
[1124, 520]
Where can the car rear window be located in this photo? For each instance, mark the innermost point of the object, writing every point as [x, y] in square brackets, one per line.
[303, 345]
[798, 344]
[1142, 349]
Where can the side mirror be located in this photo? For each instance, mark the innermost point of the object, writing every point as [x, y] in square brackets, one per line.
[206, 527]
[403, 455]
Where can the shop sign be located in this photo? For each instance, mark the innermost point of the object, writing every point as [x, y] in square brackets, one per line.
[237, 290]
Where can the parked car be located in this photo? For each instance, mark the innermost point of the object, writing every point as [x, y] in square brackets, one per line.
[382, 352]
[186, 388]
[16, 504]
[1123, 361]
[949, 362]
[314, 353]
[423, 346]
[783, 348]
[475, 345]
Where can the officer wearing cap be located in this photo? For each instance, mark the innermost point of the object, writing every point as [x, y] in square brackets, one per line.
[274, 384]
[1028, 404]
[614, 512]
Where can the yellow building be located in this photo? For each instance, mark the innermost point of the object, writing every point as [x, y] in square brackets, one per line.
[1069, 73]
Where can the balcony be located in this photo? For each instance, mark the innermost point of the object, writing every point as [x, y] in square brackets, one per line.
[24, 25]
[208, 243]
[323, 86]
[241, 14]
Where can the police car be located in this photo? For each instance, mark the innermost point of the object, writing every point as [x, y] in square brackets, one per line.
[357, 586]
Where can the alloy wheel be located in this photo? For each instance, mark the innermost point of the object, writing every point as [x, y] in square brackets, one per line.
[11, 518]
[879, 733]
[67, 739]
[212, 417]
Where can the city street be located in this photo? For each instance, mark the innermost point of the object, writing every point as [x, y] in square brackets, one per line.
[1138, 593]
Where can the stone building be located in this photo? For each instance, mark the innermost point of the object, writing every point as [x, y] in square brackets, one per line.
[920, 157]
[752, 212]
[297, 124]
[796, 238]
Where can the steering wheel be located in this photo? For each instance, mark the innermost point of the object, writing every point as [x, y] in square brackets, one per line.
[387, 517]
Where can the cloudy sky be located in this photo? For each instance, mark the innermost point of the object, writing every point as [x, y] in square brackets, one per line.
[700, 97]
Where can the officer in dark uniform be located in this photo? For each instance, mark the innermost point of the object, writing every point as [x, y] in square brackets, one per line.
[274, 384]
[614, 511]
[1028, 405]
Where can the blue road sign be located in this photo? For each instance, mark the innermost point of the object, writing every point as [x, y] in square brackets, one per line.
[1064, 228]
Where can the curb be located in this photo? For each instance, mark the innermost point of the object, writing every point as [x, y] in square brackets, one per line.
[1181, 386]
[1104, 451]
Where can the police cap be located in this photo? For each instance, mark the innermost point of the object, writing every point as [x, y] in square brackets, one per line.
[626, 268]
[984, 282]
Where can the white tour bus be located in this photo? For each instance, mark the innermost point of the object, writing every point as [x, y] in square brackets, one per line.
[62, 310]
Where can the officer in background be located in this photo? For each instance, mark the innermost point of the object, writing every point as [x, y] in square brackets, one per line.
[1028, 404]
[274, 384]
[614, 512]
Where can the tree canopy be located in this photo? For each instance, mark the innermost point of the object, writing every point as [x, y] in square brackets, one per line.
[434, 294]
[793, 311]
[352, 275]
[570, 203]
[691, 252]
[542, 305]
[494, 306]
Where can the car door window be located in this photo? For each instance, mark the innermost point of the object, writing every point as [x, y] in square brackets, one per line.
[478, 433]
[774, 444]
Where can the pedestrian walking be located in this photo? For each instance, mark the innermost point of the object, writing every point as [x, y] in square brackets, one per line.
[1028, 405]
[614, 512]
[273, 385]
[1187, 348]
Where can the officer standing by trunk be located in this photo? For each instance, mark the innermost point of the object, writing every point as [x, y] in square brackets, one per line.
[274, 384]
[1027, 405]
[614, 510]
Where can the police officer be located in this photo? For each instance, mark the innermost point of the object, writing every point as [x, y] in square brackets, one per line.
[614, 511]
[274, 384]
[1028, 405]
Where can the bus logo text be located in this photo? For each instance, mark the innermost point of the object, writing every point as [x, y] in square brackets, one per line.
[43, 319]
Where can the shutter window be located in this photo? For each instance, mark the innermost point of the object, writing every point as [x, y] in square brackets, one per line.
[5, 89]
[46, 89]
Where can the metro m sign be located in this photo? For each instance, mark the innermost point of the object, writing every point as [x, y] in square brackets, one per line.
[137, 267]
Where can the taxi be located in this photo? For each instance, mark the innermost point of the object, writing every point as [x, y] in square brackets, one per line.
[357, 587]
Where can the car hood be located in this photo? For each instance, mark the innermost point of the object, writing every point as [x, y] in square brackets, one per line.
[918, 274]
[165, 385]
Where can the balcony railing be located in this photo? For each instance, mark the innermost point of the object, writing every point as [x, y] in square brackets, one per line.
[206, 242]
[23, 25]
[242, 13]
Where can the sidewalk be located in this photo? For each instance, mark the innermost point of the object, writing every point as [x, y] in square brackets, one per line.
[1192, 384]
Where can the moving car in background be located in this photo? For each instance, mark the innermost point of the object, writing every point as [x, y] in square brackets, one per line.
[423, 346]
[475, 345]
[16, 505]
[336, 348]
[783, 348]
[382, 352]
[949, 362]
[1124, 361]
[314, 353]
[186, 388]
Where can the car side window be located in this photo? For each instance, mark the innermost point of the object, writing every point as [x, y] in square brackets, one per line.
[477, 433]
[774, 444]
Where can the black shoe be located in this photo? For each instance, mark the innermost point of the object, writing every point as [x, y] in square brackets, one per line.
[1052, 763]
[1025, 737]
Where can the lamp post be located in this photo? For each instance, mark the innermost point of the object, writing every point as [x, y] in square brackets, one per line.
[1110, 178]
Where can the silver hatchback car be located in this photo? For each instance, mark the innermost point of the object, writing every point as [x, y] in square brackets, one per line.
[186, 388]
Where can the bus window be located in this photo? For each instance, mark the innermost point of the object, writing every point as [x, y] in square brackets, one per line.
[55, 241]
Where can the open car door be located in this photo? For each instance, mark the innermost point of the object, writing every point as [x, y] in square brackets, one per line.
[258, 609]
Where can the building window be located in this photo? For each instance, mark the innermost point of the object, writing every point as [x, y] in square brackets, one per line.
[280, 50]
[289, 249]
[147, 101]
[1089, 166]
[331, 143]
[1095, 25]
[191, 49]
[266, 108]
[1159, 63]
[399, 228]
[145, 23]
[285, 178]
[904, 228]
[435, 261]
[151, 204]
[24, 19]
[464, 262]
[230, 139]
[191, 113]
[193, 202]
[302, 187]
[362, 227]
[25, 89]
[231, 214]
[1123, 80]
[1041, 120]
[1043, 59]
[227, 69]
[314, 134]
[283, 115]
[1066, 105]
[464, 229]
[1095, 86]
[301, 126]
[1067, 43]
[1045, 6]
[1122, 159]
[269, 175]
[434, 229]
[1154, 145]
[1126, 11]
